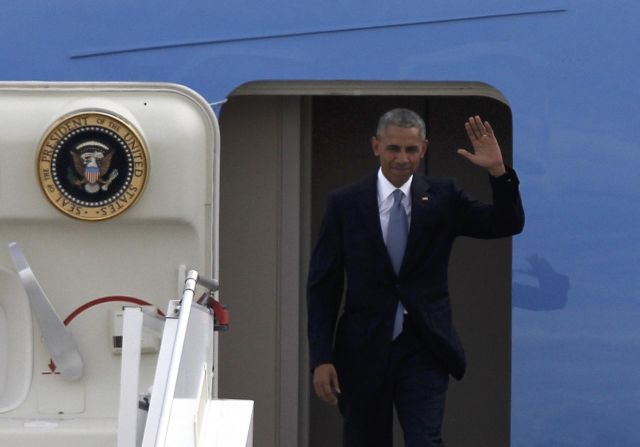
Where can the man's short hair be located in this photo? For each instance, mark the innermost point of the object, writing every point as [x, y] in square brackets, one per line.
[401, 118]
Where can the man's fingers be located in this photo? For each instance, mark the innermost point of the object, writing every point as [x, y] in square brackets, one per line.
[335, 384]
[489, 128]
[325, 392]
[466, 154]
[480, 125]
[470, 133]
[476, 128]
[329, 396]
[325, 383]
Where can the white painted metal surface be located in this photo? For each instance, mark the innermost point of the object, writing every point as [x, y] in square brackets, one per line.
[16, 342]
[229, 423]
[59, 341]
[182, 410]
[129, 376]
[136, 254]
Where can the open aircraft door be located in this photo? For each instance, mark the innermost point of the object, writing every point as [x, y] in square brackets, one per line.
[110, 191]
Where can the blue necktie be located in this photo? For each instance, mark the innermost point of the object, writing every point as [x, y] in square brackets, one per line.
[396, 243]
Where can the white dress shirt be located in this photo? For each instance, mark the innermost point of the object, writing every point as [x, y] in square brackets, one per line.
[385, 201]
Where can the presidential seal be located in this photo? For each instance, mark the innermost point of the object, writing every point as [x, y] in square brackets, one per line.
[92, 165]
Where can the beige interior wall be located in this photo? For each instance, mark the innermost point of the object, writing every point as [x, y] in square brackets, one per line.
[260, 260]
[248, 258]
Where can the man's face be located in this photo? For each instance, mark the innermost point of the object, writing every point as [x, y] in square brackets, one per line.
[400, 150]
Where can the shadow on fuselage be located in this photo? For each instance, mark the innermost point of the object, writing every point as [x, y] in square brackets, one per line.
[551, 293]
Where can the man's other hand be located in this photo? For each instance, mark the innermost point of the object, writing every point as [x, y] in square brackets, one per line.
[325, 382]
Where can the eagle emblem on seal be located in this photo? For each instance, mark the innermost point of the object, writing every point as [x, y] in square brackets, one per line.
[91, 162]
[92, 165]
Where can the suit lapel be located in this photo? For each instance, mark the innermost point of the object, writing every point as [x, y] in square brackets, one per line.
[420, 203]
[369, 207]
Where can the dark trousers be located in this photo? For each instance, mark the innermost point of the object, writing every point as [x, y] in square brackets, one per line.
[416, 384]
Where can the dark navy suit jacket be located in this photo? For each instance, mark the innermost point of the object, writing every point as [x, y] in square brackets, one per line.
[350, 243]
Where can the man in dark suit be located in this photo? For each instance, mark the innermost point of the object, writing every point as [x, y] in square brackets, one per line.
[391, 235]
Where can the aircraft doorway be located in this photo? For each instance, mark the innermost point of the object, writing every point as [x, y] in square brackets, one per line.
[282, 152]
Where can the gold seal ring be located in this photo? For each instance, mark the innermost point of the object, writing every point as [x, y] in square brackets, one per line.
[92, 165]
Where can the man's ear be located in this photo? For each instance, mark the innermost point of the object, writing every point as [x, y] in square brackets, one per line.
[425, 145]
[375, 146]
